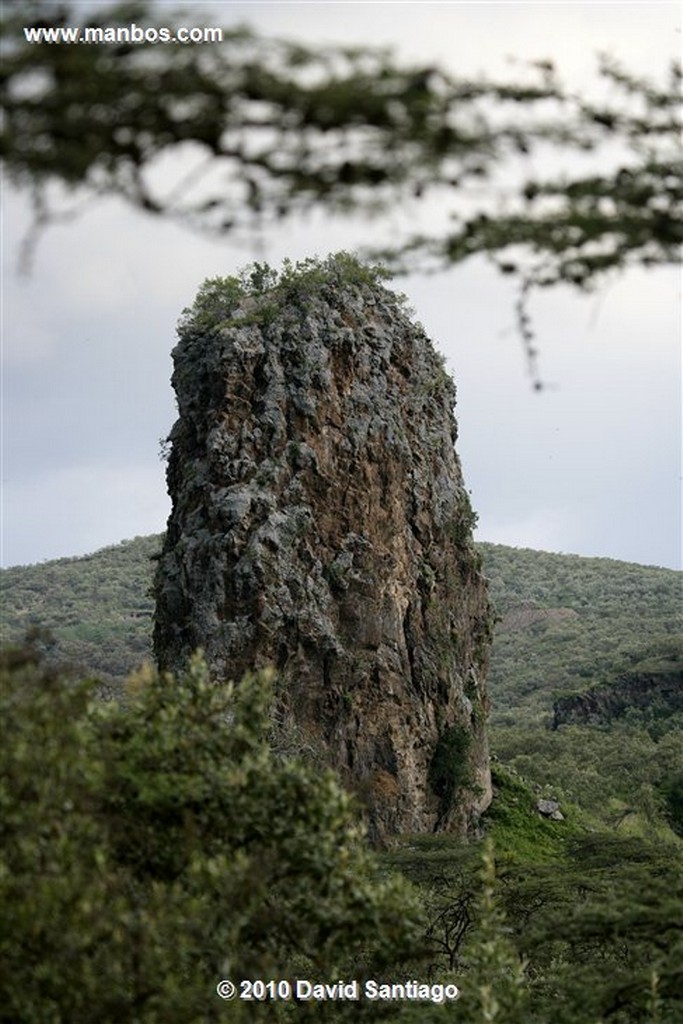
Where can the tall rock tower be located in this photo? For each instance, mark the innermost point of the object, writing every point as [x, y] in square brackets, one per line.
[320, 524]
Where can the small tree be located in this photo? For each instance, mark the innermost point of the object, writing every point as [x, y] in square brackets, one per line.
[494, 985]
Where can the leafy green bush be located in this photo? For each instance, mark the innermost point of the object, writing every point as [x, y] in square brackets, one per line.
[671, 790]
[218, 298]
[149, 850]
[602, 935]
[215, 302]
[449, 768]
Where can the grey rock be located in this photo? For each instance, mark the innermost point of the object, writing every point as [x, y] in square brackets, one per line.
[320, 523]
[550, 809]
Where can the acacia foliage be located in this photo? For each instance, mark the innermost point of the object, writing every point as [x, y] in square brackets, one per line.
[278, 127]
[150, 849]
[578, 926]
[602, 931]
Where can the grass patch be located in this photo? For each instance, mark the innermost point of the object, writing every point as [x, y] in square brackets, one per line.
[520, 834]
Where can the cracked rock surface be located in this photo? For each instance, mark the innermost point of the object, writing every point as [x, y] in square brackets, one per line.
[320, 524]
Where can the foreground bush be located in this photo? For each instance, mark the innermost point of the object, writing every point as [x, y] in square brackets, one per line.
[151, 849]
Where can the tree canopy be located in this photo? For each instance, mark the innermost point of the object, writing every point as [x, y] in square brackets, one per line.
[267, 128]
[150, 848]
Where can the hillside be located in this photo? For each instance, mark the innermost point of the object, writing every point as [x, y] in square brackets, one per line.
[568, 623]
[565, 623]
[98, 608]
[572, 628]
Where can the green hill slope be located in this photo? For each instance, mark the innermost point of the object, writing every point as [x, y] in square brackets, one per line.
[565, 623]
[580, 633]
[568, 623]
[98, 608]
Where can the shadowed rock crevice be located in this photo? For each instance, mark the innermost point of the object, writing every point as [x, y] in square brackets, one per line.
[320, 523]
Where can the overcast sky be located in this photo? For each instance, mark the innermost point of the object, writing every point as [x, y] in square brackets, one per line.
[591, 465]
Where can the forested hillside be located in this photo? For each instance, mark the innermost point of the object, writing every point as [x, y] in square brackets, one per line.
[576, 626]
[568, 623]
[97, 608]
[565, 623]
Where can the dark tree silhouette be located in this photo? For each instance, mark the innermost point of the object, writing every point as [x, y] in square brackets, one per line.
[268, 128]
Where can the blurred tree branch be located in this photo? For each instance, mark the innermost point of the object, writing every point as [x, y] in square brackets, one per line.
[268, 129]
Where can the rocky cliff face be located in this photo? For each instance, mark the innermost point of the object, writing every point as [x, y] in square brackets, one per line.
[658, 691]
[320, 524]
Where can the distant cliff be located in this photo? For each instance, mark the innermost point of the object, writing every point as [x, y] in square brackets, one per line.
[320, 523]
[655, 688]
